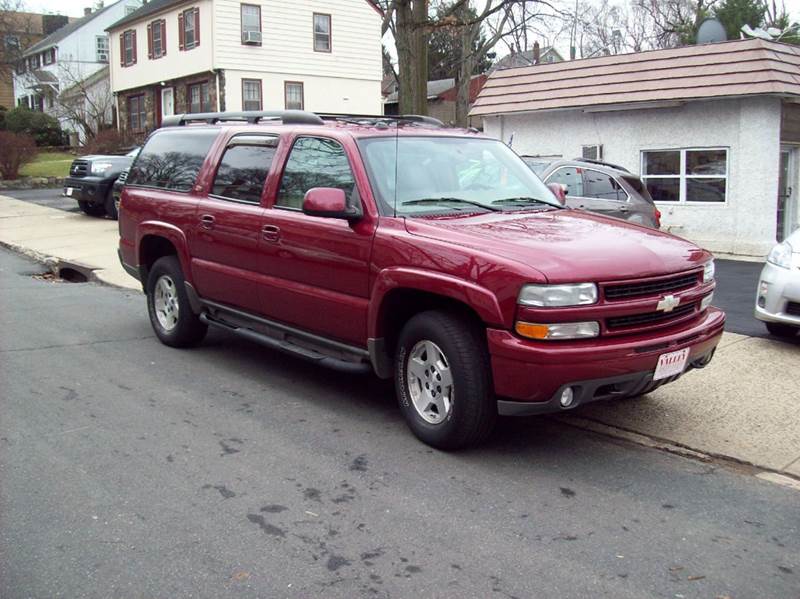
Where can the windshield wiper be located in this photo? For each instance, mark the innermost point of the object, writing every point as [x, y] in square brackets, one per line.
[434, 201]
[520, 200]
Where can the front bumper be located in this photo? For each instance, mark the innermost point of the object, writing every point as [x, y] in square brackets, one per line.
[535, 373]
[87, 189]
[782, 288]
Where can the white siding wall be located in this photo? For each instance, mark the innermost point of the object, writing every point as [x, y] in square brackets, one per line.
[176, 63]
[352, 70]
[321, 94]
[748, 127]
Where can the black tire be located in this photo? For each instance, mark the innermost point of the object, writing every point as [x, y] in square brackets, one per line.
[110, 205]
[91, 209]
[187, 330]
[782, 330]
[473, 409]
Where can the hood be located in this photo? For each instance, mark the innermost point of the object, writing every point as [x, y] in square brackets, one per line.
[567, 245]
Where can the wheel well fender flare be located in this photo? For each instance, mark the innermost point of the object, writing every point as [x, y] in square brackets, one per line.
[171, 234]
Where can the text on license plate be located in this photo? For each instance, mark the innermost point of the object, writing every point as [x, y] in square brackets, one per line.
[671, 364]
[68, 191]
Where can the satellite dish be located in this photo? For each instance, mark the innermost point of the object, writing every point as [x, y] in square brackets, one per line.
[711, 30]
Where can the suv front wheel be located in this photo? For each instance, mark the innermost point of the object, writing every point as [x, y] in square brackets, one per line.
[442, 380]
[168, 305]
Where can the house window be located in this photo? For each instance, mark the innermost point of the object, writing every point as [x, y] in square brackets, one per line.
[293, 95]
[688, 175]
[129, 9]
[189, 28]
[49, 56]
[198, 98]
[322, 32]
[101, 48]
[251, 94]
[33, 62]
[251, 24]
[128, 47]
[11, 43]
[157, 39]
[137, 117]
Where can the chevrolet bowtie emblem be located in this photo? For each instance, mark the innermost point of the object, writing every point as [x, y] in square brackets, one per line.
[668, 303]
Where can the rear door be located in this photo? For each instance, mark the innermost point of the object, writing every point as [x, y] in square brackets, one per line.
[318, 267]
[604, 194]
[226, 259]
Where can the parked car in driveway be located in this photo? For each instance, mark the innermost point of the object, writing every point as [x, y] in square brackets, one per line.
[599, 187]
[91, 179]
[429, 255]
[778, 296]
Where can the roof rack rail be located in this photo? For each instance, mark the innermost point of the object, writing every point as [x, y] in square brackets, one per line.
[602, 163]
[288, 117]
[372, 119]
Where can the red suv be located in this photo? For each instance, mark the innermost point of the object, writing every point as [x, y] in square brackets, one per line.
[427, 254]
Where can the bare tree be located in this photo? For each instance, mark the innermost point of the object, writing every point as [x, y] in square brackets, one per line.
[17, 28]
[85, 102]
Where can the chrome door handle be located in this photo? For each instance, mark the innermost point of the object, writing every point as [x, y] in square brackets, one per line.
[207, 221]
[271, 233]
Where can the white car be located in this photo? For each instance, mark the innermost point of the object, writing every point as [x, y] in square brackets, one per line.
[778, 297]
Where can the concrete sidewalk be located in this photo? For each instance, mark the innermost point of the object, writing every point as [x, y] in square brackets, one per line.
[744, 406]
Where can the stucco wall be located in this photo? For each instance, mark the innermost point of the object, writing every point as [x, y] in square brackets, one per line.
[748, 127]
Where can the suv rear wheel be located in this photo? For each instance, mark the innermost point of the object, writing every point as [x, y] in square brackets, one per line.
[442, 380]
[170, 313]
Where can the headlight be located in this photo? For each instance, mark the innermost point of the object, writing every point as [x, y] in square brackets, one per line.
[781, 255]
[98, 168]
[558, 295]
[708, 272]
[564, 330]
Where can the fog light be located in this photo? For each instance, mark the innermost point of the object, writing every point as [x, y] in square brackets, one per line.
[567, 396]
[706, 302]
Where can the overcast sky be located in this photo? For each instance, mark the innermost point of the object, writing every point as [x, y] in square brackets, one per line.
[74, 8]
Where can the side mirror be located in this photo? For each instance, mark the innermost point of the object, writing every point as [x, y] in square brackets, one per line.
[328, 202]
[560, 191]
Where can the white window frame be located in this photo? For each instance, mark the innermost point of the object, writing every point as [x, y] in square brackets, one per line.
[682, 176]
[101, 48]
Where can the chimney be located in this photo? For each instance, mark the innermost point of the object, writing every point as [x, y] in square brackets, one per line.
[87, 11]
[536, 53]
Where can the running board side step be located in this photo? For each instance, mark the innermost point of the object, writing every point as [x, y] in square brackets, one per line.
[285, 345]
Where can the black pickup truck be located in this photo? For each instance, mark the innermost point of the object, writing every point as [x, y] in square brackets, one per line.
[91, 179]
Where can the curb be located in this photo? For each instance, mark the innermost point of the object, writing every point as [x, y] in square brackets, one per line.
[763, 472]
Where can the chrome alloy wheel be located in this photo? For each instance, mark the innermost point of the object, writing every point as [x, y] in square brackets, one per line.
[165, 300]
[430, 382]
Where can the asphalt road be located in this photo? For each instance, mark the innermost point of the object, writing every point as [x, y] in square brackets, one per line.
[130, 469]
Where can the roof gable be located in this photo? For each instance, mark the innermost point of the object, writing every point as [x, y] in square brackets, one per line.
[723, 69]
[59, 34]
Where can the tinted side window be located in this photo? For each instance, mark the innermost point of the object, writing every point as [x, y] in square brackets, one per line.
[571, 177]
[172, 159]
[602, 186]
[314, 162]
[243, 169]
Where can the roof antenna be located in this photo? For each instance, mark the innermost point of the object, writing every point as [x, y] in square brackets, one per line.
[511, 140]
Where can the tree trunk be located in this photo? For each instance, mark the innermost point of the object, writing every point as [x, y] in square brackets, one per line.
[466, 64]
[411, 40]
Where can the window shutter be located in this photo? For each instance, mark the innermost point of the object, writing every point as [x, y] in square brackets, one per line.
[133, 42]
[196, 26]
[163, 25]
[181, 33]
[122, 49]
[150, 41]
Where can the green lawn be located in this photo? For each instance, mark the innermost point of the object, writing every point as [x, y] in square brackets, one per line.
[48, 164]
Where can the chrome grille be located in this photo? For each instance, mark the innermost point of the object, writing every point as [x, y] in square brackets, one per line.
[652, 287]
[649, 318]
[79, 168]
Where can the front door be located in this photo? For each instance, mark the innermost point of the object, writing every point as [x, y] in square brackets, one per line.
[788, 216]
[167, 101]
[319, 267]
[226, 264]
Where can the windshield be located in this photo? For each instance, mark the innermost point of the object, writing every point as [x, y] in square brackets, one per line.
[419, 176]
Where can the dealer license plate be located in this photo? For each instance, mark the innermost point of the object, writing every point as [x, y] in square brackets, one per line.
[671, 364]
[68, 191]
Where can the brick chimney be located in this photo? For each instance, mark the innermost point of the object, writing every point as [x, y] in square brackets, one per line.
[536, 53]
[87, 11]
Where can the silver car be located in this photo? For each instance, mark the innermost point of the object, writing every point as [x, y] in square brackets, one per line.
[599, 187]
[778, 297]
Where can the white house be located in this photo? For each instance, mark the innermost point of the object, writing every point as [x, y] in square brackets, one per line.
[66, 58]
[714, 130]
[176, 56]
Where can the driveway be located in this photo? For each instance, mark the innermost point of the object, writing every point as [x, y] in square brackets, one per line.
[51, 198]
